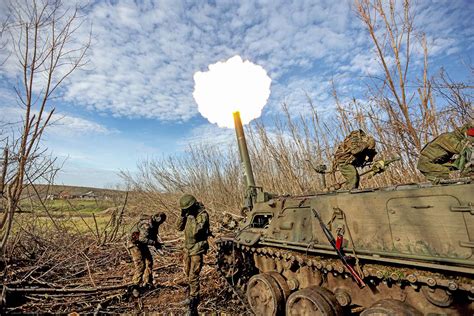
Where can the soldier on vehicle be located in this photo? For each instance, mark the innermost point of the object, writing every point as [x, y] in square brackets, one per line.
[357, 150]
[194, 220]
[144, 235]
[446, 153]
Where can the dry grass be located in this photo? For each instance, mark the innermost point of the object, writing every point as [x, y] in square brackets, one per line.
[280, 152]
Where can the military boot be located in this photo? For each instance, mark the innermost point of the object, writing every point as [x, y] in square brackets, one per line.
[193, 307]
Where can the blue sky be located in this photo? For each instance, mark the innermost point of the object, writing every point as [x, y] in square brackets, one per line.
[134, 98]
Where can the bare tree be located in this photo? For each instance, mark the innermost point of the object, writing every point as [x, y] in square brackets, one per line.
[458, 96]
[3, 41]
[44, 44]
[404, 92]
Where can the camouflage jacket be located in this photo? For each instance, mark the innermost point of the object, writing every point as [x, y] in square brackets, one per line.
[196, 231]
[442, 149]
[356, 149]
[144, 233]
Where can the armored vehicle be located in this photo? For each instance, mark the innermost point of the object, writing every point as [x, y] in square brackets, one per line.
[400, 250]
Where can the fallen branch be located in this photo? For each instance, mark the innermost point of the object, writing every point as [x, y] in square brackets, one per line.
[68, 291]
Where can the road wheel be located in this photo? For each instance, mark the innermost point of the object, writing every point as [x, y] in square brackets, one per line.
[437, 296]
[285, 290]
[313, 300]
[264, 295]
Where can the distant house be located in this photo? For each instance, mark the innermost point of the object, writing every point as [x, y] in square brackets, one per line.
[88, 196]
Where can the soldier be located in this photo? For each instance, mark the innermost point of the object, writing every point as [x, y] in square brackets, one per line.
[447, 152]
[194, 220]
[144, 235]
[356, 150]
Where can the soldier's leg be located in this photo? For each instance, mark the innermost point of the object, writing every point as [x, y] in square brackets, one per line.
[349, 172]
[186, 264]
[148, 271]
[139, 264]
[193, 276]
[186, 267]
[432, 171]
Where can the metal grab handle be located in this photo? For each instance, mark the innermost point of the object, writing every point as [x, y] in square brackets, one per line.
[422, 206]
[463, 208]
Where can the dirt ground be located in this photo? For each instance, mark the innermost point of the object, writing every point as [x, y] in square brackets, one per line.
[216, 297]
[109, 266]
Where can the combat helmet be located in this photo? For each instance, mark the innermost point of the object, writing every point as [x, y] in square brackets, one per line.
[370, 142]
[186, 201]
[368, 139]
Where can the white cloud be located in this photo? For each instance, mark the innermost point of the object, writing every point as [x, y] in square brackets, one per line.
[72, 125]
[60, 124]
[366, 64]
[209, 134]
[144, 54]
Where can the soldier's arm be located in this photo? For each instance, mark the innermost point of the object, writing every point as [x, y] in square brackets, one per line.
[144, 230]
[202, 221]
[181, 223]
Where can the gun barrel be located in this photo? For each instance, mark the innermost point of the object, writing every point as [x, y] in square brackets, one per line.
[243, 150]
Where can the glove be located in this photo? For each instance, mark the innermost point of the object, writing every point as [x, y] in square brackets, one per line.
[378, 166]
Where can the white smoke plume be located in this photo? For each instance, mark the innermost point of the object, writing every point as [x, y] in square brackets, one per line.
[230, 86]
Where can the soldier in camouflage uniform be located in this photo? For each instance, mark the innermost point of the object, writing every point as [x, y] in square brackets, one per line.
[194, 220]
[446, 153]
[144, 235]
[356, 150]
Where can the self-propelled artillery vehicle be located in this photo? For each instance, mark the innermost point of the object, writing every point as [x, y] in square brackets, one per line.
[399, 250]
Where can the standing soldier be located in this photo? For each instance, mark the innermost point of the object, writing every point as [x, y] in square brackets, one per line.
[194, 220]
[145, 235]
[356, 150]
[447, 152]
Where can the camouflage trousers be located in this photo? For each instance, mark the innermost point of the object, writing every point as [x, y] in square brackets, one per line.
[433, 171]
[192, 269]
[143, 262]
[349, 172]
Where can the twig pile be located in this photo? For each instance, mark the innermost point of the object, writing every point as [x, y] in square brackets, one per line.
[54, 268]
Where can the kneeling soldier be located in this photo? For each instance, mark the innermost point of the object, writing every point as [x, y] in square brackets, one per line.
[357, 150]
[446, 153]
